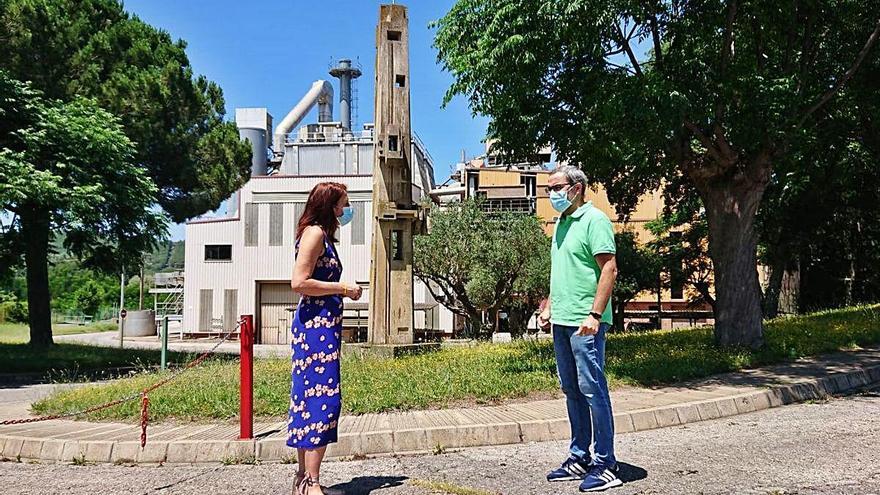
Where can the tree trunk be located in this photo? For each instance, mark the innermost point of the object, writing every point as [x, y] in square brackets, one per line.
[35, 227]
[519, 317]
[475, 320]
[618, 307]
[731, 204]
[774, 288]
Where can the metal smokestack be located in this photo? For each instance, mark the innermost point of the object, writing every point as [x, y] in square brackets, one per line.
[345, 72]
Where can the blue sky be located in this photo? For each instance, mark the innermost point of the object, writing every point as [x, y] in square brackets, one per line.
[267, 53]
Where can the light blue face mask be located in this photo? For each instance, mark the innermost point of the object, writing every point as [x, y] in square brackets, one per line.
[347, 215]
[559, 200]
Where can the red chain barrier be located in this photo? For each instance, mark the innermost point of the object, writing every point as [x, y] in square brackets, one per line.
[145, 400]
[145, 414]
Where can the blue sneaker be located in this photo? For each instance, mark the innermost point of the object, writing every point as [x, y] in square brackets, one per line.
[600, 478]
[574, 468]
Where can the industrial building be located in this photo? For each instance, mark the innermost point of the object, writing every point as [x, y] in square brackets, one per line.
[242, 263]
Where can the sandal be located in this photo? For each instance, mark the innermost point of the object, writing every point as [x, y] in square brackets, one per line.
[296, 482]
[302, 488]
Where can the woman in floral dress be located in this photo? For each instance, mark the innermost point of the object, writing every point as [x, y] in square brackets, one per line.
[315, 401]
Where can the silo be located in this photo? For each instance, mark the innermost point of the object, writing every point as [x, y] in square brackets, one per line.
[254, 125]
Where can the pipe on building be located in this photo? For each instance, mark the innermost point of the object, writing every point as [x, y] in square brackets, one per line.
[346, 73]
[321, 93]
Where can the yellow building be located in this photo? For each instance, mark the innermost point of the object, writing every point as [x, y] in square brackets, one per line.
[522, 188]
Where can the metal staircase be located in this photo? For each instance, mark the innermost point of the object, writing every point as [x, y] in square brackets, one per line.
[168, 292]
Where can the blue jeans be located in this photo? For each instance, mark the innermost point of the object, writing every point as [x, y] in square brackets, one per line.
[580, 361]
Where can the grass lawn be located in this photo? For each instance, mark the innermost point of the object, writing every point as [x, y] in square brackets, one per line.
[18, 333]
[482, 373]
[69, 361]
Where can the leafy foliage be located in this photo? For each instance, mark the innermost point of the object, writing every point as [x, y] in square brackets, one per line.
[703, 98]
[477, 262]
[75, 164]
[68, 171]
[70, 49]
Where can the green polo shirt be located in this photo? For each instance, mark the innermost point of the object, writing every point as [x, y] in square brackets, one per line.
[574, 273]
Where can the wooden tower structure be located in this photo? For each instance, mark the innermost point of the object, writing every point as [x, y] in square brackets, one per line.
[396, 216]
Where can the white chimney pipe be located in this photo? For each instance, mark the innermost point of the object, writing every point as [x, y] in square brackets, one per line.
[320, 93]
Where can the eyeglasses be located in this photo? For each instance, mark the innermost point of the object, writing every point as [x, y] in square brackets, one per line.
[557, 187]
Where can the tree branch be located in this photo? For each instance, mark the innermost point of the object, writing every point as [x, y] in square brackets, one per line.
[655, 35]
[628, 69]
[846, 76]
[705, 140]
[624, 43]
[789, 41]
[726, 53]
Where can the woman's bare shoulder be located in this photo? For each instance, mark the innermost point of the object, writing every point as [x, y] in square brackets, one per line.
[313, 234]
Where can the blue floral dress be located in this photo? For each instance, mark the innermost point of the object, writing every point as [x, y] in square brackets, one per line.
[315, 400]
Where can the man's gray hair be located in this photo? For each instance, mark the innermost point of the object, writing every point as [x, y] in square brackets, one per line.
[573, 175]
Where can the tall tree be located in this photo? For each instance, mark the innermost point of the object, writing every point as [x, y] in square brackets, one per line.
[67, 169]
[473, 260]
[707, 94]
[93, 48]
[71, 49]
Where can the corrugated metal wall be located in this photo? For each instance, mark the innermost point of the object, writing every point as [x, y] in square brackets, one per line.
[272, 206]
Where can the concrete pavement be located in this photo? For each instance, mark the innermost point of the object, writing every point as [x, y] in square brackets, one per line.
[636, 409]
[821, 447]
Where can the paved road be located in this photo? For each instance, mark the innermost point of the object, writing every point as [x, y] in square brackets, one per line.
[827, 447]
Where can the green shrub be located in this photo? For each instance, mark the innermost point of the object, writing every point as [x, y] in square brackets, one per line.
[14, 312]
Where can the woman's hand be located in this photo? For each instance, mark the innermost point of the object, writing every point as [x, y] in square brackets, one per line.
[353, 293]
[357, 293]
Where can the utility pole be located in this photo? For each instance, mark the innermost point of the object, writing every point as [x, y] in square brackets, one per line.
[121, 307]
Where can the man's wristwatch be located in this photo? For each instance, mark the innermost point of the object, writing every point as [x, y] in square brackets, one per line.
[597, 316]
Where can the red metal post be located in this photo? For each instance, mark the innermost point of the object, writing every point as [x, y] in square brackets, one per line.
[246, 389]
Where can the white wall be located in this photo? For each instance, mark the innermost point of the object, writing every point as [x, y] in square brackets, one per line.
[271, 263]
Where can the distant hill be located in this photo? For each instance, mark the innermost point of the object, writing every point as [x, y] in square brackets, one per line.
[167, 257]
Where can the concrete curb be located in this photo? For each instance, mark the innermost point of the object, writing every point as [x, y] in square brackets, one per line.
[429, 439]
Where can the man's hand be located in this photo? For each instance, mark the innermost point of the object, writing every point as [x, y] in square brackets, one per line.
[544, 319]
[590, 326]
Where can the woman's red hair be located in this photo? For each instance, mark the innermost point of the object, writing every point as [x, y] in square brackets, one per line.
[319, 209]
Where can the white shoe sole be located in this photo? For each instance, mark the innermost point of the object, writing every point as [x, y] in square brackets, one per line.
[606, 486]
[570, 478]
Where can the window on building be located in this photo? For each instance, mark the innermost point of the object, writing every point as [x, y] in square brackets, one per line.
[251, 224]
[298, 209]
[473, 181]
[358, 223]
[276, 224]
[206, 309]
[531, 185]
[218, 252]
[230, 309]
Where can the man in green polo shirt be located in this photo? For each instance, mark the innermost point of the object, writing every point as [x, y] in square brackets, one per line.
[582, 276]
